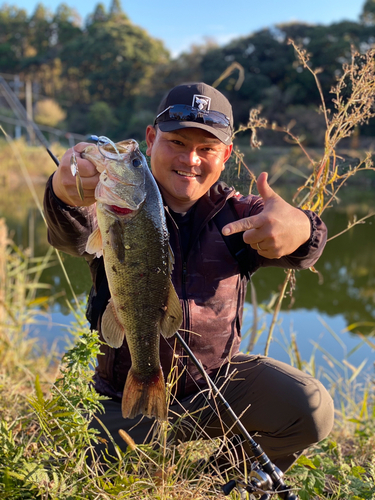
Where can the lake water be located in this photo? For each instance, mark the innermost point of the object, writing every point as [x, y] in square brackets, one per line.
[323, 305]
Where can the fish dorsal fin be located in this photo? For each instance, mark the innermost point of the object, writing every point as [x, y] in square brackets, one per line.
[112, 330]
[94, 243]
[172, 318]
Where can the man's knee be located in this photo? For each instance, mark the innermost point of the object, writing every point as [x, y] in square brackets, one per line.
[318, 414]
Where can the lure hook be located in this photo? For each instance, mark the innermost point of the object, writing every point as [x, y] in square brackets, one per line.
[102, 140]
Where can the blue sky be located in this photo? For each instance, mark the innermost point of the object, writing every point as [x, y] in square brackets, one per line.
[181, 24]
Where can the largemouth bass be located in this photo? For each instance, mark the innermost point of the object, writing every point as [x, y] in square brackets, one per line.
[133, 238]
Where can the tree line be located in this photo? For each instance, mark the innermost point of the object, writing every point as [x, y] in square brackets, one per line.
[108, 75]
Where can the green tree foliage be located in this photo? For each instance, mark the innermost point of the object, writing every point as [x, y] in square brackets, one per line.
[272, 75]
[116, 57]
[66, 25]
[13, 38]
[273, 78]
[113, 61]
[110, 60]
[40, 33]
[368, 13]
[115, 10]
[99, 15]
[102, 119]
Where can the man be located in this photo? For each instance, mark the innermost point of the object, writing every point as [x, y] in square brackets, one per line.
[189, 144]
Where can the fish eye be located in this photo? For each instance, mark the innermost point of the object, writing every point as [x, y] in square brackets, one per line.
[136, 162]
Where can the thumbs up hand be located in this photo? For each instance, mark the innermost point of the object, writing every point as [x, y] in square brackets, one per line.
[276, 231]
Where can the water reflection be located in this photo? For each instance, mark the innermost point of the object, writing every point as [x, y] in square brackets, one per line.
[347, 269]
[324, 305]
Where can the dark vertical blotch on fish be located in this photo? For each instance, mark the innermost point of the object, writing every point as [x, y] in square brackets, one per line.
[116, 240]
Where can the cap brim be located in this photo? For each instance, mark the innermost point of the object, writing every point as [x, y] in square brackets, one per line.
[223, 135]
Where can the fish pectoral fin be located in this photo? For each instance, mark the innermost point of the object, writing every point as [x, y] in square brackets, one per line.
[112, 330]
[172, 318]
[94, 243]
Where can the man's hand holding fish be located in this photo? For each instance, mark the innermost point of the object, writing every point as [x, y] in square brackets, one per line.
[65, 184]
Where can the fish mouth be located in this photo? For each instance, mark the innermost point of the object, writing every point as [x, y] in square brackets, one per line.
[120, 210]
[125, 149]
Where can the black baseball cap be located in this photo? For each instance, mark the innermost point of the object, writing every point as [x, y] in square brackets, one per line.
[196, 105]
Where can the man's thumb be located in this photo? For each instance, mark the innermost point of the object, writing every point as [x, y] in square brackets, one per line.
[264, 189]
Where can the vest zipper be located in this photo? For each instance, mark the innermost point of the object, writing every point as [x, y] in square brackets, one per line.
[186, 334]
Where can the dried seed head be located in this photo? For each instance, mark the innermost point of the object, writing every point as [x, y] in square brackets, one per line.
[128, 440]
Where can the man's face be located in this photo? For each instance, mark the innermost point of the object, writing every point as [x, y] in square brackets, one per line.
[186, 163]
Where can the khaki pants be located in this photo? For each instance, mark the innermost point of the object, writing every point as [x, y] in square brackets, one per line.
[282, 408]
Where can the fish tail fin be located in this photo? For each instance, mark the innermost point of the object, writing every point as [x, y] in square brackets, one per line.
[144, 396]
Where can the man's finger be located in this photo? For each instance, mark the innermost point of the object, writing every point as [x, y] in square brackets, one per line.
[87, 169]
[239, 226]
[90, 182]
[80, 146]
[264, 189]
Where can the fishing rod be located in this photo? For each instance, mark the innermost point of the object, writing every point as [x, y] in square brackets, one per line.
[267, 478]
[54, 159]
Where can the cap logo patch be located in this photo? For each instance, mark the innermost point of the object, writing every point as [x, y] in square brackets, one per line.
[201, 102]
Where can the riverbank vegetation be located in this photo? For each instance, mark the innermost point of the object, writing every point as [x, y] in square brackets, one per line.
[46, 405]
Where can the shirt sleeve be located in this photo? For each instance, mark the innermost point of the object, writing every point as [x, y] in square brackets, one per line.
[68, 227]
[307, 254]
